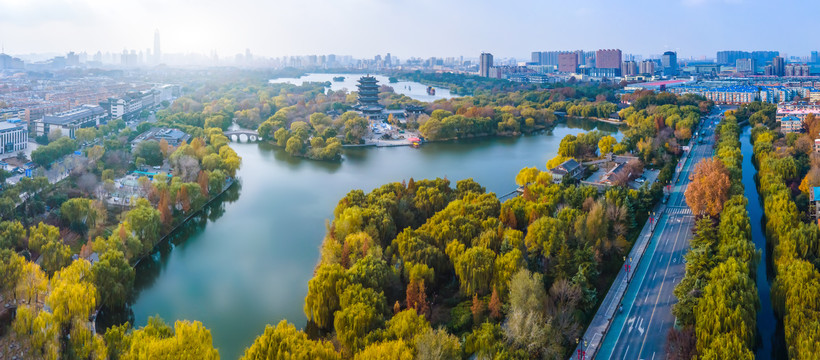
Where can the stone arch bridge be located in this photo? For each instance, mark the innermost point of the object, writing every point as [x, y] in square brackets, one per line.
[242, 135]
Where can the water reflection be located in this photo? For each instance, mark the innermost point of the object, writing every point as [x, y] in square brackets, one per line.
[150, 268]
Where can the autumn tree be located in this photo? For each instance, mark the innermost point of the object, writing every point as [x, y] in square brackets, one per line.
[709, 188]
[285, 341]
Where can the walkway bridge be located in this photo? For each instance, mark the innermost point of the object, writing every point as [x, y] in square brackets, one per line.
[236, 135]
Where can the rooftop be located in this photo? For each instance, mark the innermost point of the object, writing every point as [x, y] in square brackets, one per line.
[72, 115]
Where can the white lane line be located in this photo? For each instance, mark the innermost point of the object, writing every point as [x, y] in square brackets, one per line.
[666, 271]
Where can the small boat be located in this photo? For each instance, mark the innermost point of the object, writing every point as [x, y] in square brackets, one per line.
[431, 90]
[338, 78]
[415, 145]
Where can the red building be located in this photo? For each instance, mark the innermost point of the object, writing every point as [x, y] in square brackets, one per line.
[608, 59]
[568, 62]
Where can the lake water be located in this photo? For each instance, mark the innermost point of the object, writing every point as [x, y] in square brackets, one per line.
[412, 89]
[246, 261]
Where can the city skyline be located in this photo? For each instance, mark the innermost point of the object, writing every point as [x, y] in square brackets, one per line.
[290, 29]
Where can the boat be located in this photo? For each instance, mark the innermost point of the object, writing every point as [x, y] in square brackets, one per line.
[414, 142]
[431, 90]
[338, 78]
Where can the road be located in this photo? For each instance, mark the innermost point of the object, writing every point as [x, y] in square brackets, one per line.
[639, 330]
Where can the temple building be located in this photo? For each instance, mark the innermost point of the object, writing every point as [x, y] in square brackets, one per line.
[369, 97]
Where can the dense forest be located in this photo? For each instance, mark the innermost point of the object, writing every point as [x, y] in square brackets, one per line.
[788, 169]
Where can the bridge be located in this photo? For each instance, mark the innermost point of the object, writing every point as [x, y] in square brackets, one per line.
[236, 135]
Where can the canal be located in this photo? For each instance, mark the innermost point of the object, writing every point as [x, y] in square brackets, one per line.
[771, 343]
[245, 262]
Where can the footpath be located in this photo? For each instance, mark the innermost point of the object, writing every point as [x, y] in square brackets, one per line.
[589, 345]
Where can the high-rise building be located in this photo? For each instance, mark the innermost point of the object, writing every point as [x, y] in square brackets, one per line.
[778, 66]
[608, 59]
[536, 57]
[568, 62]
[669, 61]
[629, 68]
[485, 65]
[814, 57]
[745, 66]
[157, 54]
[763, 57]
[647, 67]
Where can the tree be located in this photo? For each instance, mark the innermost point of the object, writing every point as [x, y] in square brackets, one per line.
[285, 341]
[527, 176]
[680, 344]
[406, 325]
[709, 188]
[495, 306]
[72, 294]
[12, 234]
[149, 150]
[146, 223]
[294, 146]
[40, 235]
[114, 278]
[390, 350]
[474, 268]
[324, 290]
[606, 144]
[188, 340]
[436, 345]
[545, 235]
[56, 255]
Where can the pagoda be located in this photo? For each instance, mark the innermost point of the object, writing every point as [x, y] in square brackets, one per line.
[369, 96]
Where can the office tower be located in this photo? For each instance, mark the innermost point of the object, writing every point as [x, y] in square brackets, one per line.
[485, 64]
[157, 54]
[647, 67]
[778, 66]
[568, 62]
[669, 61]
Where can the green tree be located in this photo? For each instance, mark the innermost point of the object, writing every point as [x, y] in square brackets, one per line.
[114, 278]
[150, 151]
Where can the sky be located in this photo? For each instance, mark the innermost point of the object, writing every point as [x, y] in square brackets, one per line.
[405, 28]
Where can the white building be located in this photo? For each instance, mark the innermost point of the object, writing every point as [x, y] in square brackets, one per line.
[69, 121]
[13, 136]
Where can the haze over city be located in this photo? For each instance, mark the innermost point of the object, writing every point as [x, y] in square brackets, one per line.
[423, 28]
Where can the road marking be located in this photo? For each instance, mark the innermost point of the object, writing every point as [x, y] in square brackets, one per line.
[640, 328]
[631, 322]
[626, 352]
[643, 343]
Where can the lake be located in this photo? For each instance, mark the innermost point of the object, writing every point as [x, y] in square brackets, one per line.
[245, 262]
[412, 89]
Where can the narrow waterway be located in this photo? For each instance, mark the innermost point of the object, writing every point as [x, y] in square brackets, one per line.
[245, 262]
[771, 344]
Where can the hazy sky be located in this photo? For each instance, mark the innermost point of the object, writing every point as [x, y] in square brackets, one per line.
[363, 28]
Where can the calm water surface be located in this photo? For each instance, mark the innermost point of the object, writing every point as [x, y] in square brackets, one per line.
[410, 88]
[247, 260]
[771, 342]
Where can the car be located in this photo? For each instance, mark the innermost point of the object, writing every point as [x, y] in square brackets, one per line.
[157, 167]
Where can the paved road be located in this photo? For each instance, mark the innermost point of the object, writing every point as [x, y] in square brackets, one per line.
[639, 331]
